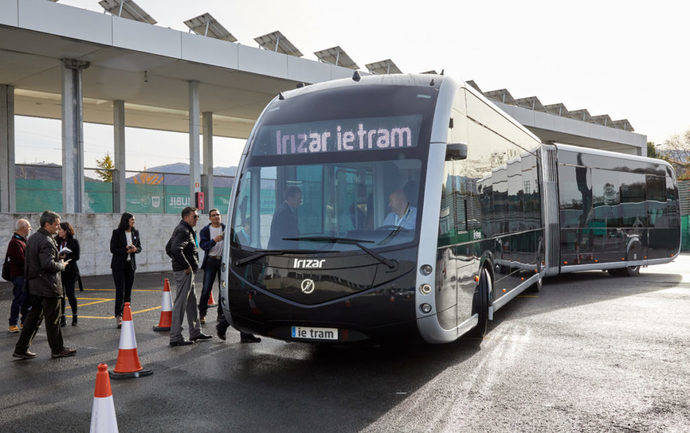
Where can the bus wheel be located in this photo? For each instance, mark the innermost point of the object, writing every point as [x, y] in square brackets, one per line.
[632, 271]
[481, 304]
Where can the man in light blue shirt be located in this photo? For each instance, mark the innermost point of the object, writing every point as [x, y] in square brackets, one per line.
[402, 215]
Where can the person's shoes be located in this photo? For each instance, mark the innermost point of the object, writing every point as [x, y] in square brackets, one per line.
[201, 337]
[13, 329]
[119, 321]
[181, 343]
[220, 333]
[249, 338]
[74, 320]
[63, 322]
[202, 320]
[25, 355]
[64, 353]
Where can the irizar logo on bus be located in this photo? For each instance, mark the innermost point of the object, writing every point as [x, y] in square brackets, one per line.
[308, 263]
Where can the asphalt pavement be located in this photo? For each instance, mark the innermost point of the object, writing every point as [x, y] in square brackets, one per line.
[588, 353]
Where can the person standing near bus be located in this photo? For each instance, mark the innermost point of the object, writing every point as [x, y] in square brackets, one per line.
[15, 255]
[68, 243]
[45, 290]
[125, 244]
[211, 241]
[185, 262]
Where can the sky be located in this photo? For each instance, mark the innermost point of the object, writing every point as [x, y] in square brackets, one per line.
[627, 59]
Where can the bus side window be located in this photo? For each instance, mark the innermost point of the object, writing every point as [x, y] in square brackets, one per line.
[656, 199]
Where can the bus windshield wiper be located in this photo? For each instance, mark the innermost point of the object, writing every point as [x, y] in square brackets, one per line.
[260, 254]
[358, 242]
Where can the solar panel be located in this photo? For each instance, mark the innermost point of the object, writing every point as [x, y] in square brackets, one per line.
[206, 25]
[336, 56]
[277, 42]
[127, 9]
[383, 67]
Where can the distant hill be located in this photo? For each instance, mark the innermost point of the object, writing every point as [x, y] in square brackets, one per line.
[183, 168]
[179, 170]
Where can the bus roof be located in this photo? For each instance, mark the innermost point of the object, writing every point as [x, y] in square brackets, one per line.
[367, 80]
[610, 154]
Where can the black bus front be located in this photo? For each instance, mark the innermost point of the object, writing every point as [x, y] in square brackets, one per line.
[324, 222]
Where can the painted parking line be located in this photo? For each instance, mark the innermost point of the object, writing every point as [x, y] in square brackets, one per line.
[144, 311]
[528, 296]
[112, 317]
[95, 301]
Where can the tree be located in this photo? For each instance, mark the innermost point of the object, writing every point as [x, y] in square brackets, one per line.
[651, 150]
[676, 150]
[106, 167]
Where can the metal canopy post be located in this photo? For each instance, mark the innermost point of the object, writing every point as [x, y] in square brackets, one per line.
[119, 176]
[7, 147]
[207, 176]
[72, 136]
[194, 148]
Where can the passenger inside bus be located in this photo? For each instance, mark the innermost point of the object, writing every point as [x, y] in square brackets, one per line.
[285, 222]
[361, 210]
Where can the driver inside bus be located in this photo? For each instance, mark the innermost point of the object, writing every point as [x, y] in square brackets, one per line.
[284, 223]
[402, 214]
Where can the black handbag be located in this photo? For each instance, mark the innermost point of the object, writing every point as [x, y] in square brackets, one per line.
[6, 269]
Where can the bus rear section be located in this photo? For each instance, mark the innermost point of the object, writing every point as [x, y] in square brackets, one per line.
[616, 212]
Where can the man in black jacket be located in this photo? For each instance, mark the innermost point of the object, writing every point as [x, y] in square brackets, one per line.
[45, 289]
[185, 262]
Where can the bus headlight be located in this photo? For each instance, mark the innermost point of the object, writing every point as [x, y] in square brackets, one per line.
[426, 308]
[425, 289]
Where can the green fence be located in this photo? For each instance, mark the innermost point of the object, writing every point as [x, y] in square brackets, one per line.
[685, 233]
[40, 188]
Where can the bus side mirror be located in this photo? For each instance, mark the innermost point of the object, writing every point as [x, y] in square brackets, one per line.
[456, 151]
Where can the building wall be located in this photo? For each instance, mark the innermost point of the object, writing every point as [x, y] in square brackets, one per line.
[94, 232]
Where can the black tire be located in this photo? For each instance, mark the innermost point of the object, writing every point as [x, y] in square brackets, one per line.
[480, 305]
[632, 271]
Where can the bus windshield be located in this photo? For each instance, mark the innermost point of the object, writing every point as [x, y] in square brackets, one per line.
[319, 180]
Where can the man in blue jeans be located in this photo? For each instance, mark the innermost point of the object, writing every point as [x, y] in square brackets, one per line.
[211, 241]
[15, 254]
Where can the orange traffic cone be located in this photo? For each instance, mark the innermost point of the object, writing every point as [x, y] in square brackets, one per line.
[166, 310]
[211, 302]
[127, 358]
[103, 419]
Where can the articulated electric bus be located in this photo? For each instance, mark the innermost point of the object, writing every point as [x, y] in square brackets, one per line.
[384, 207]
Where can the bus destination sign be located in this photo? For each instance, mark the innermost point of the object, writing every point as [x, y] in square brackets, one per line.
[346, 135]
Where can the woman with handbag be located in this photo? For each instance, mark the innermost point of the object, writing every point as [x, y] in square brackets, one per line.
[124, 245]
